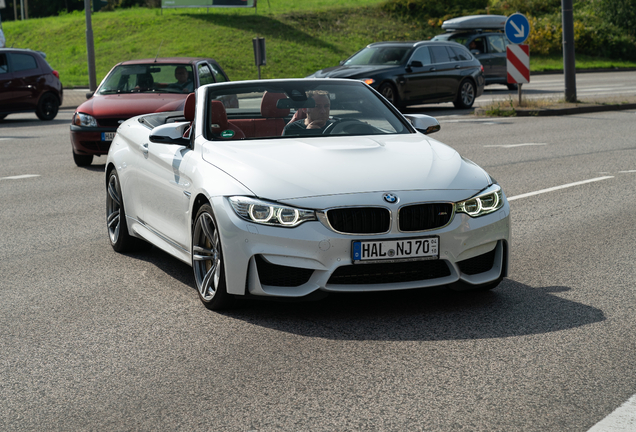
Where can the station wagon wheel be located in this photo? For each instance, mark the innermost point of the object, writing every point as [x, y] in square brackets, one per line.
[47, 107]
[207, 261]
[118, 234]
[466, 95]
[389, 91]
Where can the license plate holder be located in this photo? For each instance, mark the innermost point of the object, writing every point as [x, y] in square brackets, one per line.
[392, 250]
[108, 136]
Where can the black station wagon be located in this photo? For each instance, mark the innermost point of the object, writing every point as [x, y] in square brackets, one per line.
[411, 73]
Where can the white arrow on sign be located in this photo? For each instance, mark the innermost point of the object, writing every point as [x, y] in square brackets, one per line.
[520, 31]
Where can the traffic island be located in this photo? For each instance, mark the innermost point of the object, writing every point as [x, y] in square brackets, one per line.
[527, 108]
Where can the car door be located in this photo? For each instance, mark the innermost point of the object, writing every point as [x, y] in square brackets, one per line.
[163, 188]
[26, 72]
[420, 82]
[447, 71]
[6, 85]
[497, 54]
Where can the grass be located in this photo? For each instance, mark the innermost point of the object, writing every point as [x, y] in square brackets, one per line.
[301, 37]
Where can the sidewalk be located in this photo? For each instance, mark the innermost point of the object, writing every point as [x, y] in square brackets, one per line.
[556, 108]
[73, 98]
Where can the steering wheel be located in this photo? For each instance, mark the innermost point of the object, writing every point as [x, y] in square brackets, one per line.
[349, 126]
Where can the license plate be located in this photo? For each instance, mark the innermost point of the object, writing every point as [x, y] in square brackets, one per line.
[108, 136]
[411, 249]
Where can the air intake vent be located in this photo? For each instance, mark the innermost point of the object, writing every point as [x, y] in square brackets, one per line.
[423, 217]
[360, 220]
[366, 274]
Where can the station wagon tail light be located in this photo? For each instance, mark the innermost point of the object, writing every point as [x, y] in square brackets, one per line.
[268, 213]
[482, 68]
[486, 202]
[57, 75]
[368, 81]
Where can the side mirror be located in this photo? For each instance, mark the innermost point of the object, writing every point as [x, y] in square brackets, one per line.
[342, 62]
[89, 95]
[416, 63]
[423, 123]
[170, 134]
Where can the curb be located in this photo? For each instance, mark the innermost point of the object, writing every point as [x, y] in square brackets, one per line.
[545, 112]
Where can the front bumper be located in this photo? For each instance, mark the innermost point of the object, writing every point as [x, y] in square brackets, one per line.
[271, 261]
[91, 141]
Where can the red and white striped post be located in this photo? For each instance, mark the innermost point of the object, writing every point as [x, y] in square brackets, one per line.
[518, 65]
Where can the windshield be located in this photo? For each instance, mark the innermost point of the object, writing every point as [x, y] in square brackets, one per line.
[386, 55]
[164, 78]
[299, 108]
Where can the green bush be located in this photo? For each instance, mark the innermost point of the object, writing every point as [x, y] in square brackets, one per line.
[427, 9]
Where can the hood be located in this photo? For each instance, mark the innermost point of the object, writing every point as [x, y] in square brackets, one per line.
[356, 71]
[312, 167]
[126, 105]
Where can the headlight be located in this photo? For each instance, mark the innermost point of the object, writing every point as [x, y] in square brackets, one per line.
[486, 202]
[81, 119]
[267, 213]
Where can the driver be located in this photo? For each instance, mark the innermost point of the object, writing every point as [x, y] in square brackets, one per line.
[317, 118]
[183, 83]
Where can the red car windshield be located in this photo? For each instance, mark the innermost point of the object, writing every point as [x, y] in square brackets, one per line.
[144, 78]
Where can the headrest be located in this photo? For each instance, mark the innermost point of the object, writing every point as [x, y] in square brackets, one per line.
[218, 116]
[268, 105]
[188, 107]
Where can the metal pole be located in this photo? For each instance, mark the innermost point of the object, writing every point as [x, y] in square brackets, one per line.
[569, 68]
[22, 9]
[26, 9]
[90, 47]
[519, 91]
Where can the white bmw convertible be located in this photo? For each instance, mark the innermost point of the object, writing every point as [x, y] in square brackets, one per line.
[285, 188]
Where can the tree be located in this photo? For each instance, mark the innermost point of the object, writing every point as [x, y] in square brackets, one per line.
[621, 13]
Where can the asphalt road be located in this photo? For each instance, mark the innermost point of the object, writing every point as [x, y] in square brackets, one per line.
[94, 340]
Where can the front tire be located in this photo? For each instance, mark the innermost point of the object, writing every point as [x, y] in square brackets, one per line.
[466, 95]
[116, 224]
[207, 261]
[389, 91]
[48, 106]
[82, 160]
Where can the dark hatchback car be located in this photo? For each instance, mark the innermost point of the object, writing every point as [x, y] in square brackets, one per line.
[483, 35]
[132, 88]
[28, 84]
[410, 73]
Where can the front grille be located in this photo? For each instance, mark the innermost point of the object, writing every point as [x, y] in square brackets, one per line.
[360, 220]
[365, 274]
[422, 217]
[478, 264]
[110, 122]
[100, 146]
[277, 275]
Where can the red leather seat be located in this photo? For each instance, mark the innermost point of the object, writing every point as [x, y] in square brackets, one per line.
[188, 112]
[219, 124]
[275, 117]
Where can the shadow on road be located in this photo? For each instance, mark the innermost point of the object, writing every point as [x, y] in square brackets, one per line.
[512, 309]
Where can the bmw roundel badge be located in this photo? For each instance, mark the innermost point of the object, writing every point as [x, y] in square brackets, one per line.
[390, 198]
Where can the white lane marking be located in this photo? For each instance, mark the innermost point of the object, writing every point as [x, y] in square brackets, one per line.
[625, 172]
[552, 189]
[516, 145]
[18, 177]
[623, 419]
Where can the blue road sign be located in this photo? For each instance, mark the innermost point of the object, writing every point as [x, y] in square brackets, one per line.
[517, 28]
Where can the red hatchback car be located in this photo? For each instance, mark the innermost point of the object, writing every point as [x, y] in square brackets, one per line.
[133, 88]
[28, 84]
